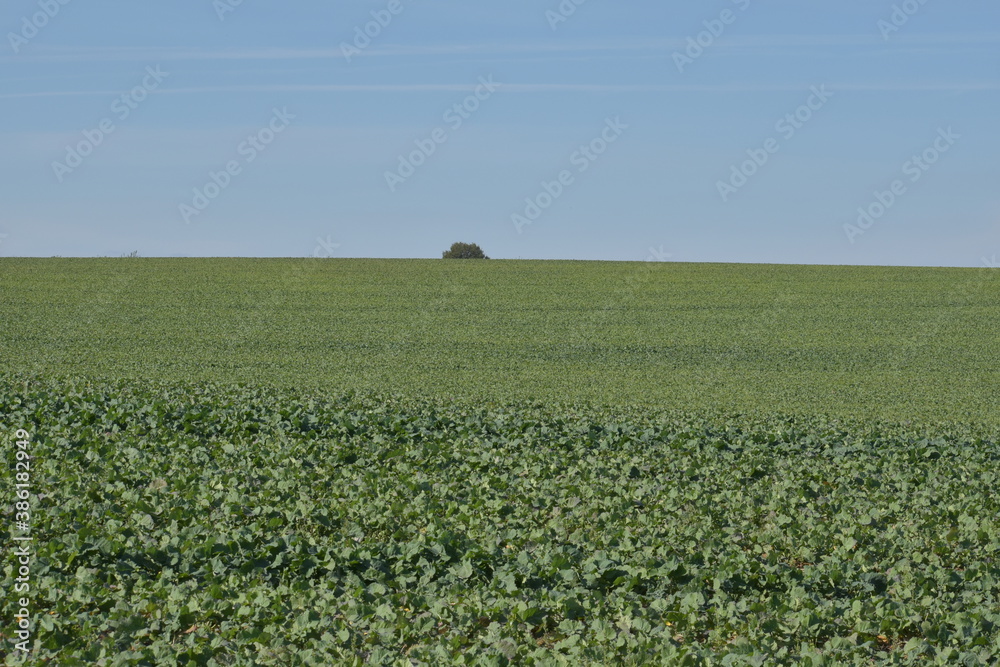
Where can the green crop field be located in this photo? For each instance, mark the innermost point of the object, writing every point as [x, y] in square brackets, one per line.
[407, 462]
[901, 343]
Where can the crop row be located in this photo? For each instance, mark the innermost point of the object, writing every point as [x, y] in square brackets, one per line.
[222, 524]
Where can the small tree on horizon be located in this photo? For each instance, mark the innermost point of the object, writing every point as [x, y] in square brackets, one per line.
[464, 251]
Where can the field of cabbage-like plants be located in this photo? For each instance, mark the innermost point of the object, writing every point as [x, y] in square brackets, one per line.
[238, 462]
[222, 525]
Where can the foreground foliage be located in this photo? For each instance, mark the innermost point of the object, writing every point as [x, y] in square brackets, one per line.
[224, 525]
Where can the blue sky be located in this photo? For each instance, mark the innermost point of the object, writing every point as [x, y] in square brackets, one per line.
[858, 132]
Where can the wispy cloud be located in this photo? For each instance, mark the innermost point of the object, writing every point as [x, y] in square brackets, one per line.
[582, 88]
[616, 48]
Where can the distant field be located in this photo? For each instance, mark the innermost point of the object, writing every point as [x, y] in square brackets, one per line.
[409, 463]
[901, 343]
